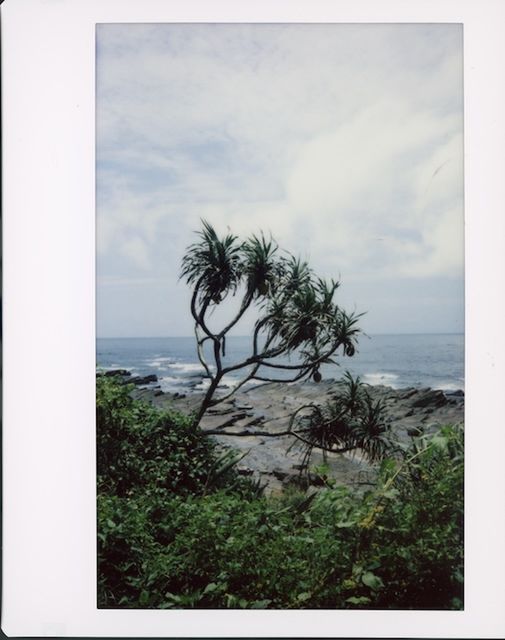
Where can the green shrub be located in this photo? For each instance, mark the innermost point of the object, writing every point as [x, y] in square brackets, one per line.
[178, 529]
[417, 538]
[217, 550]
[143, 449]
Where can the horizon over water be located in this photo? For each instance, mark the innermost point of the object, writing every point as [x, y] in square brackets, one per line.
[363, 333]
[398, 360]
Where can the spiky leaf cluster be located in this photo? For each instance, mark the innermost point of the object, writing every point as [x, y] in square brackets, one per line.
[350, 420]
[302, 315]
[262, 268]
[297, 314]
[213, 265]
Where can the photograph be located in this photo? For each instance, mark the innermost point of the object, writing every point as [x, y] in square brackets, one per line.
[253, 355]
[280, 316]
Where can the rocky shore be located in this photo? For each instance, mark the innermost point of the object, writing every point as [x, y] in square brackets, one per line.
[268, 407]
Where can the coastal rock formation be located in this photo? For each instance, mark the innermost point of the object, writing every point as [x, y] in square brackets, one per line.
[114, 372]
[125, 377]
[141, 380]
[267, 408]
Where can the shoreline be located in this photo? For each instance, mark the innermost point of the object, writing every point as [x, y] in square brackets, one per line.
[410, 411]
[192, 383]
[399, 361]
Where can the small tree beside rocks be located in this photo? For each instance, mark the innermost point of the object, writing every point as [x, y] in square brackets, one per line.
[299, 326]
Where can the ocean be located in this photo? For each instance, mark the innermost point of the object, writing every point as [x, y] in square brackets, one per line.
[407, 360]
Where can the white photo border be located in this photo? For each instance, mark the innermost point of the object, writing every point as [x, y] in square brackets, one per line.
[48, 103]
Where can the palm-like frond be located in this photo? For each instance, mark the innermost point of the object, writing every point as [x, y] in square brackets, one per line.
[297, 274]
[303, 318]
[213, 264]
[351, 420]
[326, 292]
[297, 314]
[261, 268]
[346, 330]
[351, 393]
[307, 319]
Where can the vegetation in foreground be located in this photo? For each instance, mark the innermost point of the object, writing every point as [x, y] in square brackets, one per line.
[178, 528]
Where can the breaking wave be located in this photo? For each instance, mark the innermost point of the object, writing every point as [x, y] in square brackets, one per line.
[389, 379]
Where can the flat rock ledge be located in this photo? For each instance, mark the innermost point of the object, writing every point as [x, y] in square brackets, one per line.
[275, 462]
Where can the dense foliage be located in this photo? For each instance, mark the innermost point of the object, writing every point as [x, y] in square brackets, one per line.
[296, 312]
[351, 419]
[142, 450]
[178, 528]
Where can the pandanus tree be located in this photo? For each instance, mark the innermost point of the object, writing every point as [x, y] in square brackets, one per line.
[298, 326]
[351, 419]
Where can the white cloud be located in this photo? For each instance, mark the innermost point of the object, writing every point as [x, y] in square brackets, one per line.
[344, 141]
[136, 249]
[388, 174]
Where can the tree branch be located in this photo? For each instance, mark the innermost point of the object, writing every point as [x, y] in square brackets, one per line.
[199, 343]
[201, 317]
[261, 323]
[241, 384]
[196, 315]
[217, 357]
[250, 361]
[246, 303]
[300, 365]
[278, 434]
[285, 380]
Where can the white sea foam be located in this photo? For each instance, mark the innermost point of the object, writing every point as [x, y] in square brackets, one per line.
[230, 383]
[112, 367]
[203, 385]
[187, 367]
[450, 386]
[168, 383]
[160, 362]
[379, 377]
[253, 383]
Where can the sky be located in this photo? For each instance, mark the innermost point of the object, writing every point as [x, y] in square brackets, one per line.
[345, 142]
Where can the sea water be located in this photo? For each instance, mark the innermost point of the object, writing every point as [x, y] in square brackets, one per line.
[406, 360]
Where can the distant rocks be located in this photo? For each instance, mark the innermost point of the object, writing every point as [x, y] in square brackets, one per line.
[125, 377]
[138, 380]
[428, 398]
[459, 393]
[114, 372]
[411, 412]
[274, 461]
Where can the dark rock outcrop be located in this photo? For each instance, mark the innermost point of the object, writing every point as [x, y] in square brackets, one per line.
[275, 461]
[125, 377]
[428, 398]
[114, 372]
[140, 380]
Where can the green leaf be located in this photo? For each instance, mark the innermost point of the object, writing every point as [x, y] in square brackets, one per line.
[210, 588]
[440, 443]
[172, 596]
[144, 597]
[260, 604]
[358, 600]
[303, 597]
[371, 580]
